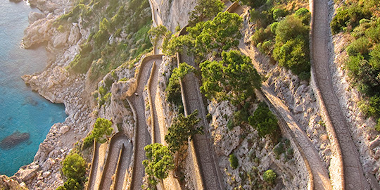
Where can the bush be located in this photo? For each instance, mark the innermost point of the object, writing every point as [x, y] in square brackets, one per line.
[279, 13]
[292, 45]
[263, 120]
[74, 169]
[102, 129]
[230, 124]
[348, 18]
[304, 15]
[233, 161]
[261, 35]
[269, 176]
[173, 89]
[359, 46]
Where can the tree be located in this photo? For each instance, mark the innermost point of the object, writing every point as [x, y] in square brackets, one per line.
[74, 166]
[179, 133]
[158, 163]
[233, 78]
[173, 89]
[263, 120]
[205, 9]
[221, 33]
[102, 129]
[292, 46]
[74, 169]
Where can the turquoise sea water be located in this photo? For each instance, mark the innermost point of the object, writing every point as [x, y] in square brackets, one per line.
[21, 109]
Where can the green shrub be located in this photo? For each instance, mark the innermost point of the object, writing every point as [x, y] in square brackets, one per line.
[304, 15]
[230, 124]
[279, 13]
[233, 161]
[292, 45]
[263, 120]
[102, 129]
[359, 46]
[173, 89]
[348, 18]
[74, 169]
[269, 176]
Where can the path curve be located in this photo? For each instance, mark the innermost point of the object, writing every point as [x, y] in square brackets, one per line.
[117, 143]
[143, 137]
[352, 176]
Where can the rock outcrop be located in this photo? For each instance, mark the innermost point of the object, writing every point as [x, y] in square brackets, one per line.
[8, 183]
[171, 13]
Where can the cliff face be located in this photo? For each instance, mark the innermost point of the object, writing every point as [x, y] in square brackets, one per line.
[171, 13]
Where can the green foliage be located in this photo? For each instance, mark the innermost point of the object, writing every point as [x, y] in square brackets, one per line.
[233, 78]
[219, 34]
[359, 46]
[205, 9]
[269, 176]
[234, 162]
[347, 19]
[279, 13]
[155, 33]
[292, 45]
[173, 89]
[253, 3]
[262, 18]
[181, 130]
[102, 129]
[263, 120]
[112, 18]
[304, 15]
[263, 34]
[74, 169]
[230, 124]
[158, 163]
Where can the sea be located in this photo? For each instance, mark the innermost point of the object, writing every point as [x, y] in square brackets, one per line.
[21, 109]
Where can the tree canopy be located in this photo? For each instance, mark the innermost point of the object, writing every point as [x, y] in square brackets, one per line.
[181, 130]
[221, 33]
[263, 120]
[205, 9]
[102, 129]
[158, 163]
[74, 169]
[233, 78]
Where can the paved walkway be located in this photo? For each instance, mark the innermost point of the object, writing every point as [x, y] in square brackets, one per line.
[113, 155]
[142, 137]
[320, 36]
[208, 166]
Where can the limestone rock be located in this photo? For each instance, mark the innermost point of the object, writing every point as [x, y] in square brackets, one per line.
[64, 129]
[8, 183]
[34, 16]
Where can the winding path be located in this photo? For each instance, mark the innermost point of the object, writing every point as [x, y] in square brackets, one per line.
[321, 56]
[143, 137]
[209, 169]
[117, 143]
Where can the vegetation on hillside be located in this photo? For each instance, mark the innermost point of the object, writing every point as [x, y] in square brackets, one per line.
[102, 129]
[233, 78]
[74, 170]
[362, 21]
[121, 33]
[282, 32]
